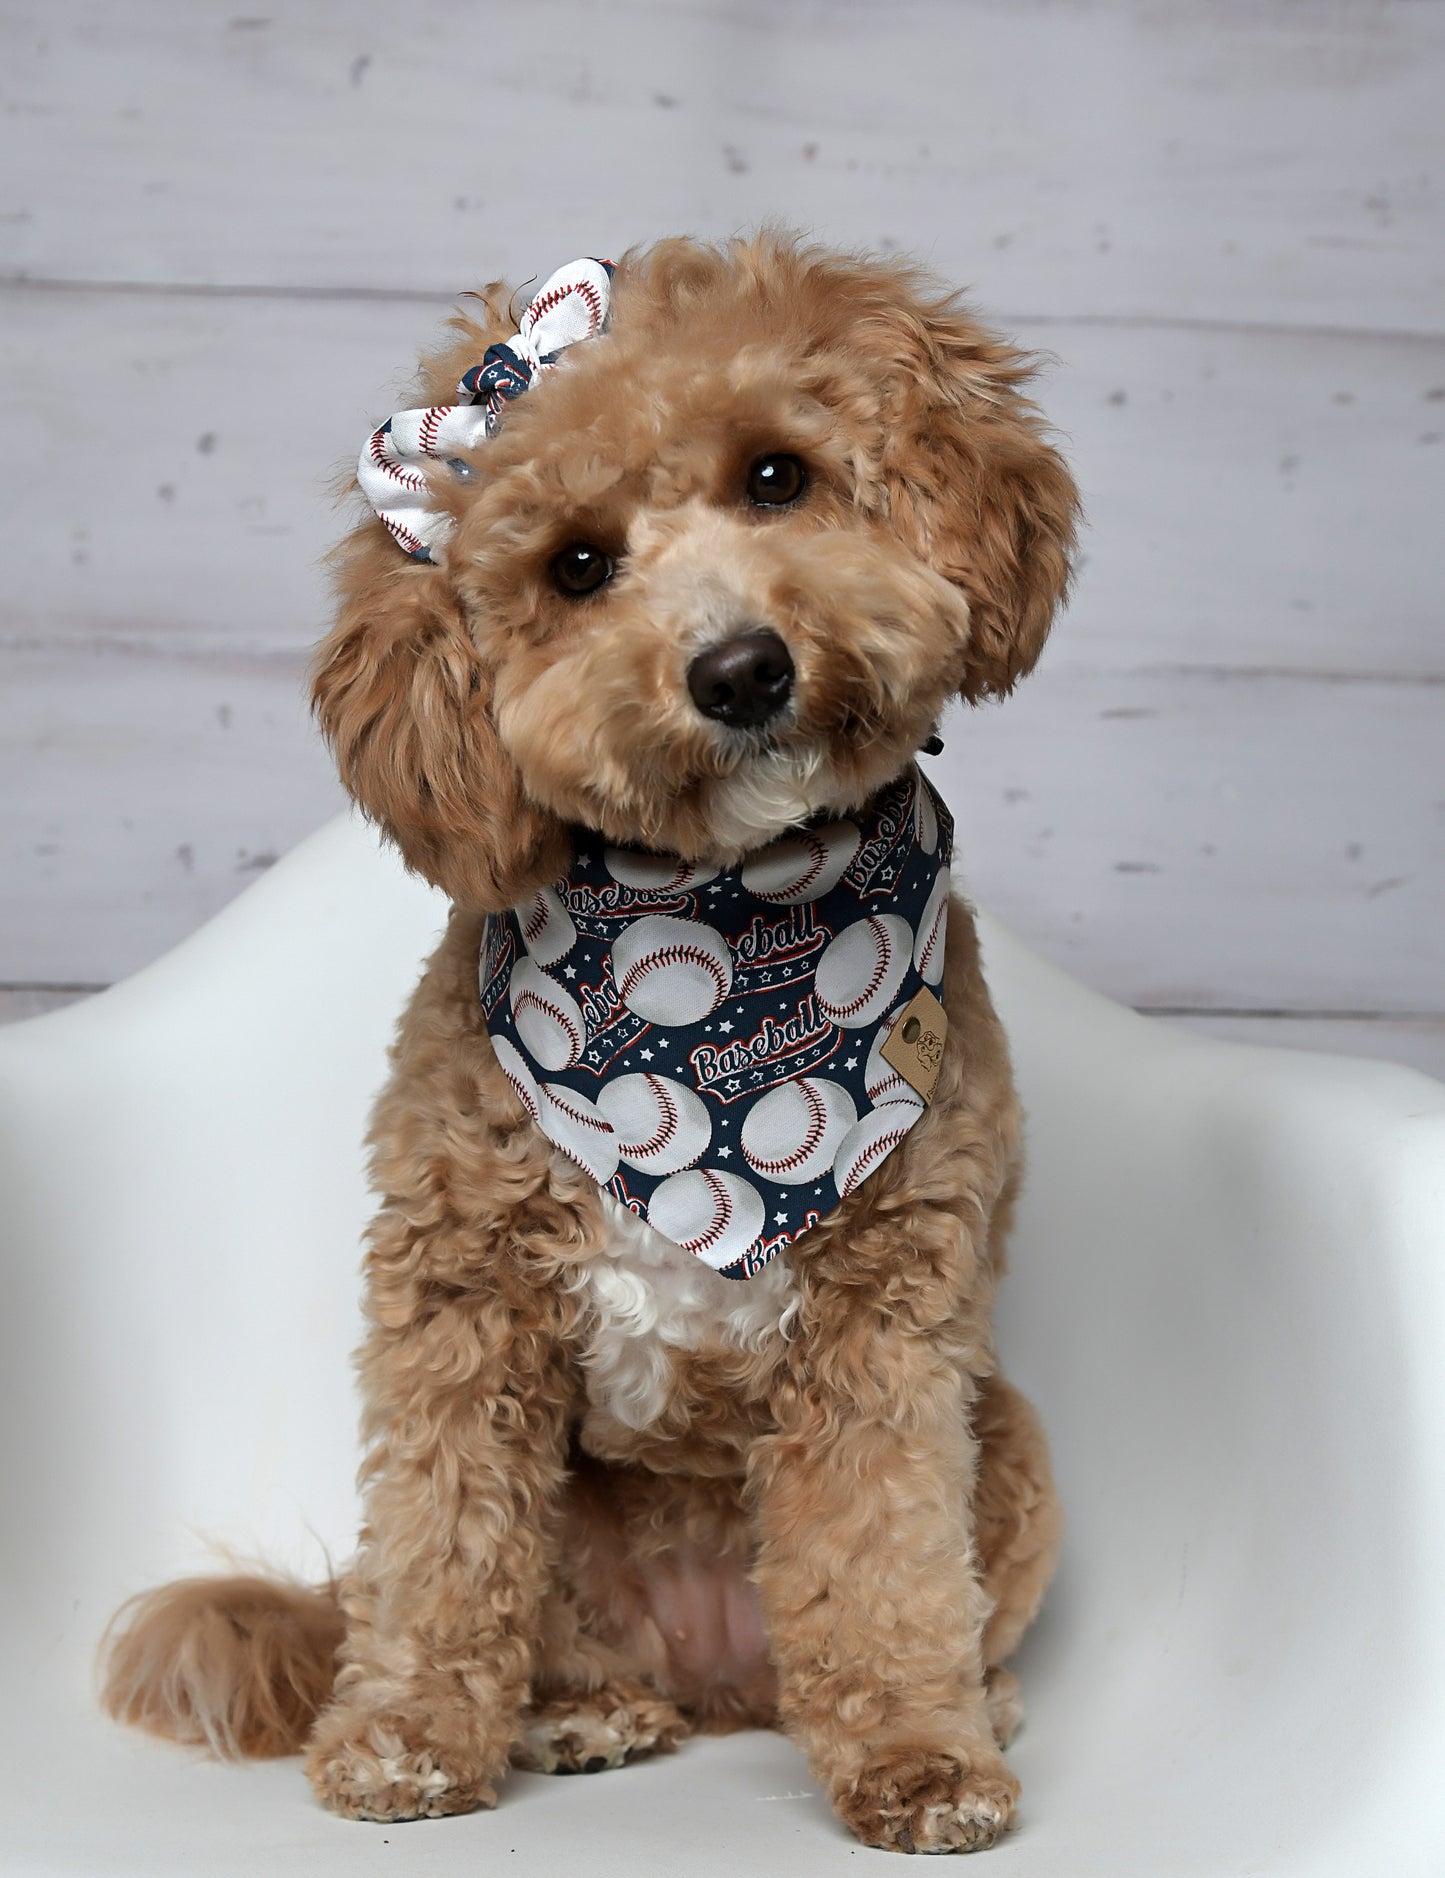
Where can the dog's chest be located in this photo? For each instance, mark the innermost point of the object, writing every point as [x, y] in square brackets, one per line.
[650, 1302]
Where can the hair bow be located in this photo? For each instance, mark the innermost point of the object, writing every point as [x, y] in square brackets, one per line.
[393, 467]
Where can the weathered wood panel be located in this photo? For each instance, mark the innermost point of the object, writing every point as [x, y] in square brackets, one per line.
[1255, 500]
[137, 795]
[1236, 162]
[1214, 841]
[1172, 838]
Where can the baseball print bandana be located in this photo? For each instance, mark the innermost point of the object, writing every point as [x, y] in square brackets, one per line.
[707, 1044]
[573, 305]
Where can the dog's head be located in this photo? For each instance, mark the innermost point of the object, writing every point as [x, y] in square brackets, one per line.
[717, 573]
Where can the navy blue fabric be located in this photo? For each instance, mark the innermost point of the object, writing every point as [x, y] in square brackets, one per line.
[594, 981]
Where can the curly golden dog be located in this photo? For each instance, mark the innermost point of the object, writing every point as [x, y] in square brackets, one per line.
[613, 1497]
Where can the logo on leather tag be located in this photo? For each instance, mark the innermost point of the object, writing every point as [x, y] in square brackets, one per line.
[914, 1046]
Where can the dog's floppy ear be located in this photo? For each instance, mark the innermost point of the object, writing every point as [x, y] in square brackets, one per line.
[977, 488]
[403, 699]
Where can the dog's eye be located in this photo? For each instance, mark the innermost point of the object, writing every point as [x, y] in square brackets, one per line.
[580, 568]
[774, 481]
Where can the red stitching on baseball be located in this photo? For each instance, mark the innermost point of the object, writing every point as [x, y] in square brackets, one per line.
[816, 1127]
[926, 951]
[670, 1118]
[545, 303]
[880, 972]
[796, 885]
[537, 920]
[667, 955]
[376, 450]
[431, 423]
[720, 1220]
[522, 999]
[412, 543]
[523, 1095]
[864, 1164]
[599, 1123]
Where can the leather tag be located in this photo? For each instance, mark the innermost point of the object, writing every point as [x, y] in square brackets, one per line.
[915, 1044]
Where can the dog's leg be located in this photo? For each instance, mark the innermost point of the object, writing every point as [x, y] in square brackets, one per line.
[599, 1679]
[875, 1609]
[1017, 1516]
[467, 1398]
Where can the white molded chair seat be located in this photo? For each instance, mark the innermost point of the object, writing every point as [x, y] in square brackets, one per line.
[1227, 1297]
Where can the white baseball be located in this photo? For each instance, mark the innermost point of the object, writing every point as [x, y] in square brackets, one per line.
[547, 929]
[862, 968]
[661, 1126]
[513, 1066]
[932, 932]
[881, 1080]
[793, 1133]
[655, 873]
[548, 1020]
[671, 971]
[925, 816]
[717, 1216]
[871, 1141]
[803, 866]
[579, 1129]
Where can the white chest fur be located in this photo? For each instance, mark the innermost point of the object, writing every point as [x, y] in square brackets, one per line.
[651, 1301]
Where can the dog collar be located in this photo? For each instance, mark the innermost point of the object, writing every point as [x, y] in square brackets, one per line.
[397, 458]
[710, 1045]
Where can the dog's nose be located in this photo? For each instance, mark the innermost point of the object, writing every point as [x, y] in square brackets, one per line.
[744, 681]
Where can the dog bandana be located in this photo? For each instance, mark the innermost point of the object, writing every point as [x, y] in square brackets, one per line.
[709, 1045]
[573, 305]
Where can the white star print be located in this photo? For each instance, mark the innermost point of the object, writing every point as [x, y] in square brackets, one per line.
[725, 1028]
[781, 1218]
[852, 1063]
[646, 1055]
[724, 1154]
[569, 971]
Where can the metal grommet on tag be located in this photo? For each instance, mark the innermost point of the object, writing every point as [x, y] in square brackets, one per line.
[914, 1046]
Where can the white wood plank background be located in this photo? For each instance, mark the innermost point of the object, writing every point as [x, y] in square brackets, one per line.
[223, 236]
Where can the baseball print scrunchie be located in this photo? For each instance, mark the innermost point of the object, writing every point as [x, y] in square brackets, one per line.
[392, 470]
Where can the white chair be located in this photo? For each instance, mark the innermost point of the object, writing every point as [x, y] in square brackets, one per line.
[1228, 1298]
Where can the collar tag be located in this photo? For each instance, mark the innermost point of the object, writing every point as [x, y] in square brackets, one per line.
[914, 1046]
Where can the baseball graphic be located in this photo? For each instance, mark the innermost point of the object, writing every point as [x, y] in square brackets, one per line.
[793, 1134]
[881, 1080]
[655, 873]
[579, 1130]
[671, 971]
[661, 1126]
[547, 929]
[547, 1019]
[804, 866]
[932, 931]
[717, 1216]
[513, 1066]
[862, 968]
[871, 1141]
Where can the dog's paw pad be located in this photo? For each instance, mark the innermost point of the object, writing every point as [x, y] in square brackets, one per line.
[590, 1731]
[919, 1802]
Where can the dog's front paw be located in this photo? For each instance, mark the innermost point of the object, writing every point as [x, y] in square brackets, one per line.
[589, 1731]
[380, 1767]
[917, 1801]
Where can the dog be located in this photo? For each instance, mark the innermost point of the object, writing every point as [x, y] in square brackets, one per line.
[637, 1466]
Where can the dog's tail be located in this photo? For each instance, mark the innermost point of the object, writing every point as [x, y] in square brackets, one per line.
[239, 1666]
